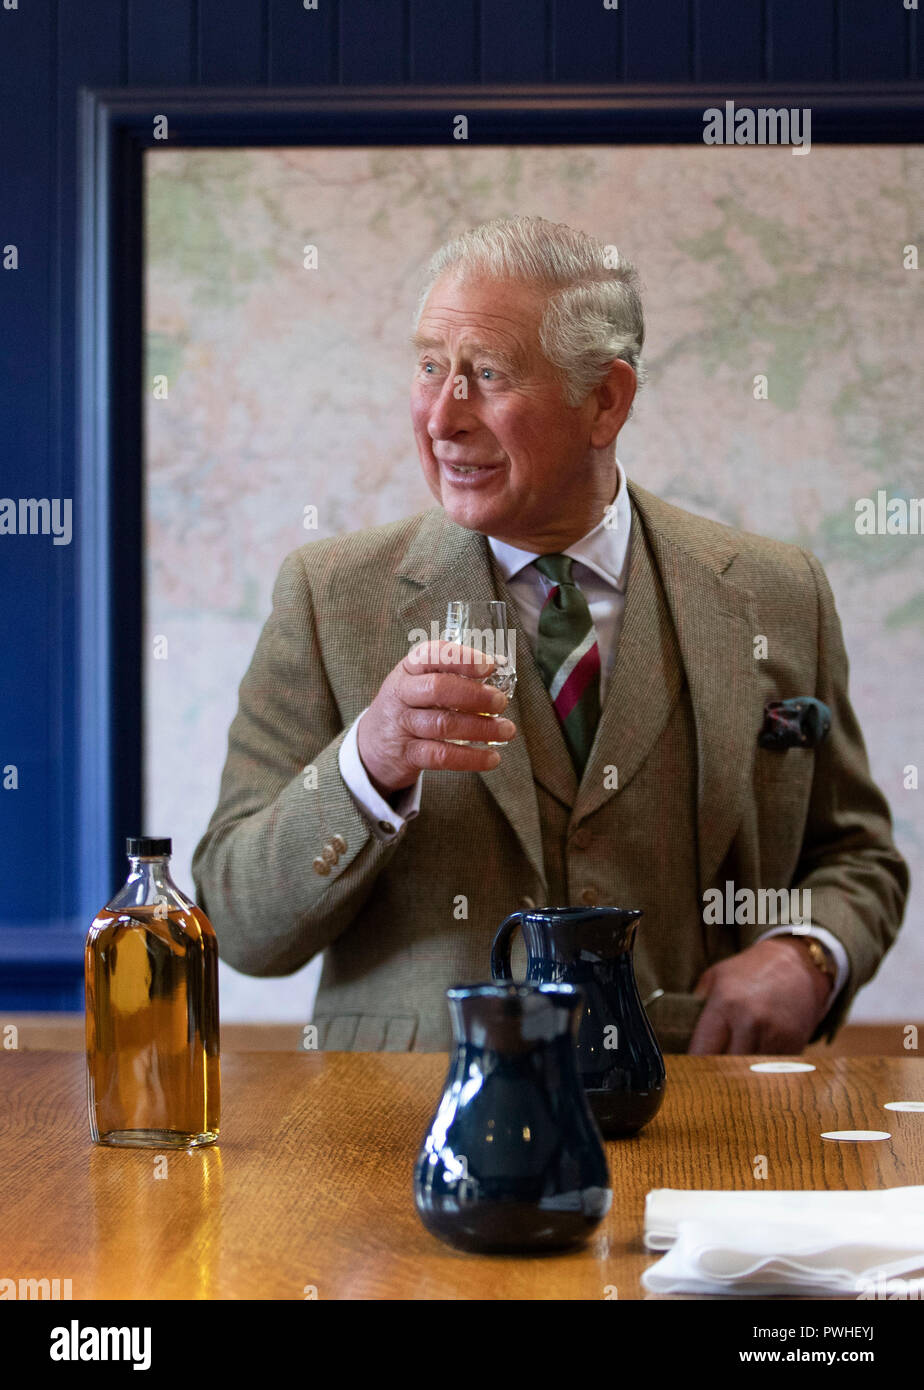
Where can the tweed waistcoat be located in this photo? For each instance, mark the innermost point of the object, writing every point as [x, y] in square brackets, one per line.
[642, 767]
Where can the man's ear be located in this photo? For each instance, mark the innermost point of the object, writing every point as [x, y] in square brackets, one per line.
[613, 396]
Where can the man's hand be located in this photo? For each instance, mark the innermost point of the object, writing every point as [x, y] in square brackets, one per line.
[433, 694]
[767, 998]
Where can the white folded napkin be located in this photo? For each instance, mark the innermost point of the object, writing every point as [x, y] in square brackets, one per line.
[765, 1243]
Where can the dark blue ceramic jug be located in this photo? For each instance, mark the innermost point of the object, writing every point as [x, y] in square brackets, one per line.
[513, 1161]
[619, 1059]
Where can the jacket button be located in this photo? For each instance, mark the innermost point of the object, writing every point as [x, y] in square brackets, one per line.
[321, 867]
[387, 826]
[329, 854]
[581, 839]
[527, 903]
[339, 844]
[590, 897]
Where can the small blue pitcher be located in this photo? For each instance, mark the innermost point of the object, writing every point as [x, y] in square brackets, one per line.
[513, 1161]
[619, 1059]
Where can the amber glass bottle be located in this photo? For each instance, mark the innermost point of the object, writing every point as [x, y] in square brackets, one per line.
[151, 965]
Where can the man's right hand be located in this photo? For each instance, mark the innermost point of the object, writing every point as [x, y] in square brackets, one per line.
[433, 694]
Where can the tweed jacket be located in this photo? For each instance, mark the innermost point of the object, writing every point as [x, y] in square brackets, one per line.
[400, 921]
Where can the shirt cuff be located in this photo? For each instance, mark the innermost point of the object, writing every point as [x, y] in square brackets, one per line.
[825, 937]
[386, 819]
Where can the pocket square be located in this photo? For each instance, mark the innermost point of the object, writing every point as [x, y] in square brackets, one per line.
[802, 722]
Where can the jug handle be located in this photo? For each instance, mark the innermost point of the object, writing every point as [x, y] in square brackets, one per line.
[500, 950]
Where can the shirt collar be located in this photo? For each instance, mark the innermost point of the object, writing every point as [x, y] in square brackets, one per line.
[604, 549]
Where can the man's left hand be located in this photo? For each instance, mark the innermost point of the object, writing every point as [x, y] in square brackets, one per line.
[767, 998]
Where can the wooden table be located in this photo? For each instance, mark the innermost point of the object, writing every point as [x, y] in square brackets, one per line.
[310, 1185]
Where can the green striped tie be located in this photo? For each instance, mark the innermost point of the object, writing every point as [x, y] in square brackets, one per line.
[569, 658]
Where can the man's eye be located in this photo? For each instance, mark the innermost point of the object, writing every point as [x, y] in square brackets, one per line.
[486, 373]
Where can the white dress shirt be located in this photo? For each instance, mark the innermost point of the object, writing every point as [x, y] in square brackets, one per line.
[600, 570]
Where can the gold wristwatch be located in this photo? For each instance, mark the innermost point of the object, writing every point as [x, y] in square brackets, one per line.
[821, 956]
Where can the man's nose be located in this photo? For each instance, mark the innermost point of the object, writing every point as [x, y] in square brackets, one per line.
[451, 411]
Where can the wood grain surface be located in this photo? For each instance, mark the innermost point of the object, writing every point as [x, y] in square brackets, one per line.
[310, 1184]
[67, 1032]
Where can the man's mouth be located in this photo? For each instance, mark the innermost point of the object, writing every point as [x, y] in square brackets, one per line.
[464, 468]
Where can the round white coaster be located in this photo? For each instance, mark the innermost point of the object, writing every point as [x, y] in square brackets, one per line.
[782, 1066]
[860, 1135]
[915, 1105]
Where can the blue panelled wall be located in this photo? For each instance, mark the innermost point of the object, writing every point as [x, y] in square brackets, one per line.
[49, 49]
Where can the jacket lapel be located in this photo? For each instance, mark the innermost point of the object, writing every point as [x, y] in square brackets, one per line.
[716, 623]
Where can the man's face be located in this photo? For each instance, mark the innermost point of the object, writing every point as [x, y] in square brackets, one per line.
[539, 481]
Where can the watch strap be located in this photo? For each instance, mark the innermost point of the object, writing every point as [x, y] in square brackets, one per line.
[821, 957]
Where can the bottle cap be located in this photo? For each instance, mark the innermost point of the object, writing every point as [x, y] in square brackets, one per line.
[147, 846]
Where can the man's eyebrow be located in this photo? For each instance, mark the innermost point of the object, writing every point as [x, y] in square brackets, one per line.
[420, 341]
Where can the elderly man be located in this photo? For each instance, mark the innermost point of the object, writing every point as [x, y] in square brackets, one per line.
[630, 768]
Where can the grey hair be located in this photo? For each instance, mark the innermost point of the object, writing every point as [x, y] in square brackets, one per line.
[594, 310]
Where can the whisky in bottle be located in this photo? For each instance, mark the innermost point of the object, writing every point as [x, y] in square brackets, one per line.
[151, 964]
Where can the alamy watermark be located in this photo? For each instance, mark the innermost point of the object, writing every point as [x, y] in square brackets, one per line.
[767, 125]
[497, 644]
[34, 516]
[26, 1289]
[77, 1343]
[757, 907]
[889, 516]
[878, 1286]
